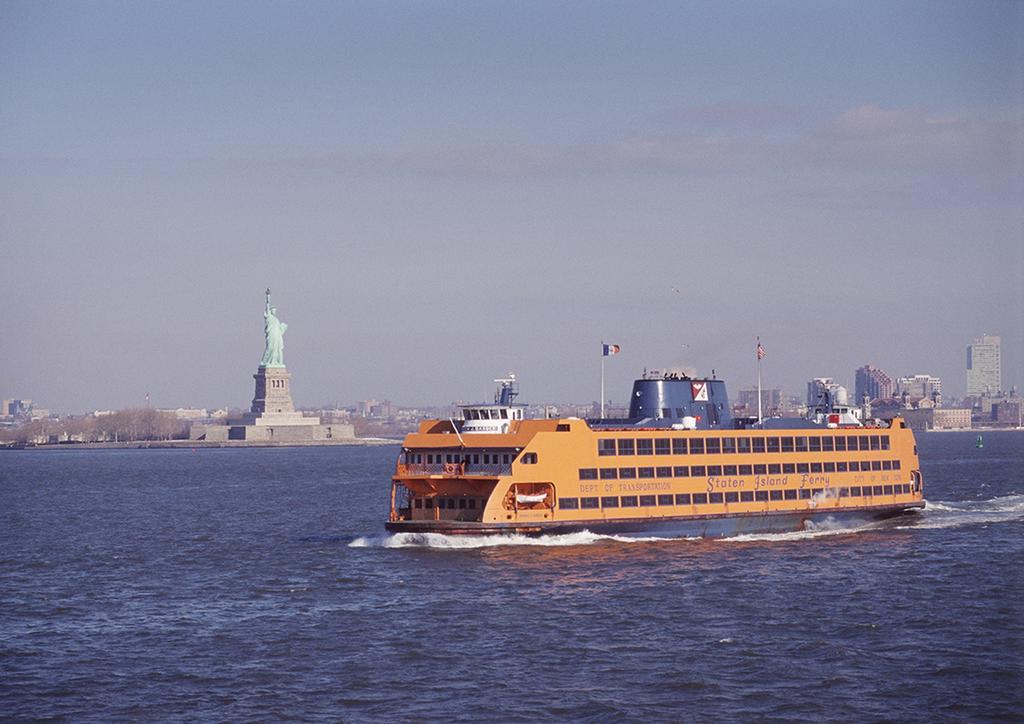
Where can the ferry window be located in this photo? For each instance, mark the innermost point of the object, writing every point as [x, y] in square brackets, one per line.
[714, 469]
[840, 467]
[588, 503]
[802, 468]
[876, 443]
[876, 464]
[805, 493]
[885, 442]
[786, 444]
[697, 471]
[562, 427]
[682, 498]
[865, 442]
[854, 466]
[855, 492]
[773, 444]
[757, 445]
[743, 445]
[647, 500]
[419, 502]
[645, 446]
[504, 414]
[665, 499]
[476, 459]
[887, 490]
[442, 503]
[663, 472]
[790, 494]
[844, 492]
[462, 503]
[767, 469]
[712, 446]
[472, 503]
[830, 467]
[814, 444]
[569, 503]
[662, 446]
[605, 447]
[816, 491]
[429, 502]
[626, 446]
[775, 494]
[876, 490]
[666, 412]
[588, 473]
[746, 496]
[627, 473]
[746, 470]
[679, 446]
[609, 501]
[729, 470]
[697, 446]
[815, 467]
[887, 465]
[645, 472]
[716, 498]
[700, 498]
[895, 464]
[681, 471]
[728, 445]
[800, 444]
[840, 444]
[529, 458]
[628, 501]
[487, 459]
[680, 412]
[505, 458]
[608, 473]
[788, 468]
[761, 496]
[826, 444]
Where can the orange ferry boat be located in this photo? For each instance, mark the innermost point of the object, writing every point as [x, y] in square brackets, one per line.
[679, 465]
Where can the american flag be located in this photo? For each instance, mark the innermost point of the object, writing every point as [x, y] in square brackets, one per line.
[760, 351]
[609, 349]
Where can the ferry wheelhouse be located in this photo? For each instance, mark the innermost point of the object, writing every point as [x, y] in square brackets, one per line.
[679, 465]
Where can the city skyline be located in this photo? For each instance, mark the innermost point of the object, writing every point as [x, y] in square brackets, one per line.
[439, 194]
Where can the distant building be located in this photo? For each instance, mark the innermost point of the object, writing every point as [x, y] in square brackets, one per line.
[821, 387]
[984, 367]
[920, 387]
[16, 408]
[1008, 412]
[952, 418]
[873, 382]
[771, 401]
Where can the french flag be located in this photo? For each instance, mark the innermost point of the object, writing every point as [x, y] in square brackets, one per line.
[609, 349]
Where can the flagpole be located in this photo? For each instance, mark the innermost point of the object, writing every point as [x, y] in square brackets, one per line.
[757, 354]
[602, 379]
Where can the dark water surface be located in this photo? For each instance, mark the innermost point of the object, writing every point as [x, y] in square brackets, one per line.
[241, 584]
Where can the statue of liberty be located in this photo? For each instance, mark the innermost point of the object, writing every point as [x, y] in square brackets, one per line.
[273, 330]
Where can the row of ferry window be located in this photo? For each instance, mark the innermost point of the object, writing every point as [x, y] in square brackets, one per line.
[730, 445]
[449, 503]
[474, 458]
[742, 496]
[700, 471]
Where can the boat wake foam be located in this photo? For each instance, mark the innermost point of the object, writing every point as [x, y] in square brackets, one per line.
[813, 529]
[955, 513]
[462, 542]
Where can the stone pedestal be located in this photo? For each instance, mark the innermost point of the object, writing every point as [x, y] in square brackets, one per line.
[272, 404]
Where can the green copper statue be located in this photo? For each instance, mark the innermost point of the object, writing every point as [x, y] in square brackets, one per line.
[273, 329]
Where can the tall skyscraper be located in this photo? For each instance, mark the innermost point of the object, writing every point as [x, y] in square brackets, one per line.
[984, 368]
[873, 382]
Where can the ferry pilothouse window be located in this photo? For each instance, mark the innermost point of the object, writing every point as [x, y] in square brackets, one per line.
[787, 444]
[712, 447]
[885, 442]
[865, 442]
[588, 473]
[679, 446]
[661, 446]
[681, 471]
[887, 465]
[562, 427]
[680, 412]
[895, 464]
[588, 503]
[826, 443]
[645, 472]
[605, 447]
[773, 444]
[609, 473]
[682, 499]
[665, 412]
[529, 458]
[876, 443]
[626, 446]
[627, 473]
[728, 445]
[876, 464]
[644, 446]
[746, 496]
[697, 446]
[665, 500]
[610, 501]
[757, 445]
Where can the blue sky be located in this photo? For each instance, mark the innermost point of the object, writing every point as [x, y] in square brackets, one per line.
[439, 193]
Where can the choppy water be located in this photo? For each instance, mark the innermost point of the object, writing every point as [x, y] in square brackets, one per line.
[241, 584]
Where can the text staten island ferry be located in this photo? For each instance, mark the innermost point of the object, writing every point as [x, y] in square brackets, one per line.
[679, 465]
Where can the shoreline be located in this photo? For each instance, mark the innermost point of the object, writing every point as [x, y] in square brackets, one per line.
[196, 444]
